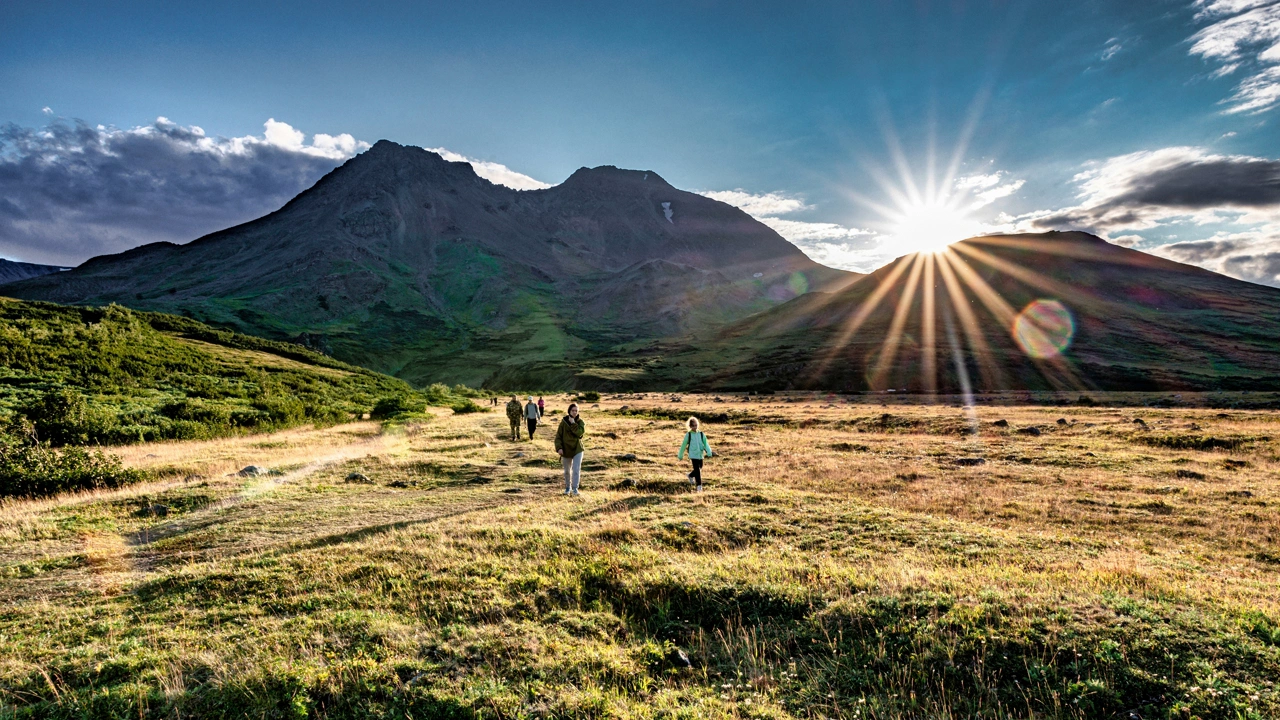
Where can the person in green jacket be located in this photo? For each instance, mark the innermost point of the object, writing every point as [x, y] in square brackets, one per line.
[695, 443]
[515, 412]
[569, 447]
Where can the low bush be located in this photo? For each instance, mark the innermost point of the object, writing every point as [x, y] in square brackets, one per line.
[39, 469]
[467, 405]
[394, 405]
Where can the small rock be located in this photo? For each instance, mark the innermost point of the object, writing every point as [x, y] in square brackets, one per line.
[518, 455]
[1139, 421]
[971, 461]
[624, 407]
[626, 483]
[611, 435]
[678, 658]
[251, 471]
[628, 457]
[1089, 454]
[479, 480]
[1033, 431]
[1062, 421]
[361, 478]
[1001, 423]
[512, 491]
[398, 484]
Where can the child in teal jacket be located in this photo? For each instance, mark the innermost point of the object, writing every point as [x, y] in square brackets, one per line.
[695, 443]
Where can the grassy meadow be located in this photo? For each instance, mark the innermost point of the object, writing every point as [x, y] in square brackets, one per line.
[848, 559]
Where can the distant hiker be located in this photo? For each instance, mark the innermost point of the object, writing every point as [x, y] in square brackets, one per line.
[531, 416]
[542, 408]
[695, 442]
[569, 447]
[514, 411]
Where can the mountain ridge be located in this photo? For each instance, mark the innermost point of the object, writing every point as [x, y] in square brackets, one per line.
[408, 263]
[1138, 322]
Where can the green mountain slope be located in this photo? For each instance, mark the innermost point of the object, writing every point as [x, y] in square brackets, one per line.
[109, 375]
[404, 263]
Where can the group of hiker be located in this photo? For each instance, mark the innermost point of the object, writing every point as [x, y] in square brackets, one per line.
[569, 445]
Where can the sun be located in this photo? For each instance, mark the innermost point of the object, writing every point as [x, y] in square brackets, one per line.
[929, 227]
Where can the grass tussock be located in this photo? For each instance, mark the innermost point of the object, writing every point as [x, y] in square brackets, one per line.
[846, 568]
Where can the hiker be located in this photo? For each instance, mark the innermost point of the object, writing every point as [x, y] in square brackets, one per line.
[531, 416]
[569, 447]
[514, 411]
[542, 407]
[695, 442]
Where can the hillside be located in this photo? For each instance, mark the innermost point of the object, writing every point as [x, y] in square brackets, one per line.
[844, 561]
[408, 264]
[93, 375]
[1107, 318]
[11, 271]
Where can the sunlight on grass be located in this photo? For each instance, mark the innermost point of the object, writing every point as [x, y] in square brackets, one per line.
[848, 559]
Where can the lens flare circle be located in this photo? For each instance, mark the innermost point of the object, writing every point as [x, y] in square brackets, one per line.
[1044, 329]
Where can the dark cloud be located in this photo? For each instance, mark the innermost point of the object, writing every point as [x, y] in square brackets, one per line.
[1253, 256]
[1143, 189]
[69, 191]
[1238, 182]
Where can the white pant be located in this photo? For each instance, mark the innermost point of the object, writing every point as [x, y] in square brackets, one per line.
[572, 471]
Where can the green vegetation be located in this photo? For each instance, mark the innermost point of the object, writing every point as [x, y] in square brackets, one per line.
[849, 568]
[35, 469]
[80, 376]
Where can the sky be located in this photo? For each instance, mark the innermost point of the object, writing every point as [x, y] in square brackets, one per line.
[857, 130]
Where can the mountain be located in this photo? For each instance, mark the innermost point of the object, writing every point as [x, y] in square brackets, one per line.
[1060, 310]
[408, 264]
[11, 271]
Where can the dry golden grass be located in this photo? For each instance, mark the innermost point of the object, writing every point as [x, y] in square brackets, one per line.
[846, 559]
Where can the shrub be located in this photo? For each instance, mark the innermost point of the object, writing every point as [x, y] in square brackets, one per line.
[437, 394]
[59, 417]
[467, 405]
[35, 470]
[281, 410]
[389, 407]
[590, 396]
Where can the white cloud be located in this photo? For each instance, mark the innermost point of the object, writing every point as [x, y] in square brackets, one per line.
[1113, 47]
[46, 110]
[768, 204]
[831, 244]
[1242, 33]
[1126, 240]
[495, 172]
[986, 188]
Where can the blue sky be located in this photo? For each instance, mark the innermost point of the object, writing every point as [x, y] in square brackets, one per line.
[1073, 114]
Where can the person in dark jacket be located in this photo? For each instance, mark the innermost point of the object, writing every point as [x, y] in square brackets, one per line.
[514, 411]
[569, 446]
